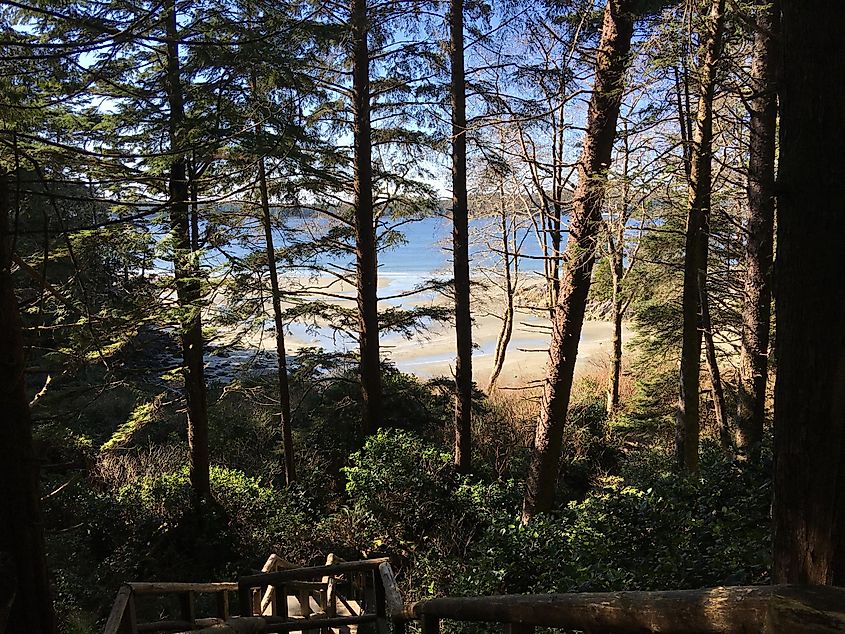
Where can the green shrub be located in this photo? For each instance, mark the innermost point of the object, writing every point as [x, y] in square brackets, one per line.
[403, 484]
[651, 530]
[245, 522]
[407, 500]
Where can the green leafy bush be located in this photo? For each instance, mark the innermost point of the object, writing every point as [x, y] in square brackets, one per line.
[403, 484]
[652, 529]
[245, 522]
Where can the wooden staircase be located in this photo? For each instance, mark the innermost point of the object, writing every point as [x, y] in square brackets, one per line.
[335, 598]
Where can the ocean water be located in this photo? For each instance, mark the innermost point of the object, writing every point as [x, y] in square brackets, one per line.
[423, 254]
[426, 250]
[429, 243]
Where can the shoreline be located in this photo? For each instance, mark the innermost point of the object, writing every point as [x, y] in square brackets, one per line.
[432, 352]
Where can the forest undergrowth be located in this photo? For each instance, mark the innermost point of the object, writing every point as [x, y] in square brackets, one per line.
[625, 518]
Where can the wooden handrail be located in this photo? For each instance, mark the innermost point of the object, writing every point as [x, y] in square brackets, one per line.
[276, 572]
[167, 587]
[122, 616]
[324, 581]
[119, 612]
[734, 610]
[313, 572]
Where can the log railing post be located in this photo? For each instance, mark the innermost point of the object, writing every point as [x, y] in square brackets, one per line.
[222, 600]
[245, 603]
[328, 598]
[328, 595]
[304, 598]
[187, 608]
[129, 622]
[430, 625]
[280, 602]
[381, 603]
[122, 618]
[392, 596]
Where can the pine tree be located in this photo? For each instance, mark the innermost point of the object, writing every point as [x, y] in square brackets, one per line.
[754, 354]
[460, 243]
[696, 250]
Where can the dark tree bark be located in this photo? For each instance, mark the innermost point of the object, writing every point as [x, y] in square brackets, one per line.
[365, 235]
[697, 239]
[281, 354]
[756, 308]
[809, 483]
[186, 271]
[580, 255]
[25, 587]
[460, 244]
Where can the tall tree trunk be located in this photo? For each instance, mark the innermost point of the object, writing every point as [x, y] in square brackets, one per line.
[506, 331]
[585, 223]
[697, 239]
[365, 233]
[460, 244]
[26, 605]
[756, 308]
[554, 266]
[186, 271]
[809, 483]
[281, 354]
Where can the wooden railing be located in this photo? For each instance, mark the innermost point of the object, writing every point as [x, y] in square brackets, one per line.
[362, 602]
[342, 596]
[735, 610]
[123, 617]
[338, 596]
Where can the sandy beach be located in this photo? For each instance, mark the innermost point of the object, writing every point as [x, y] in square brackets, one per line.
[526, 358]
[432, 353]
